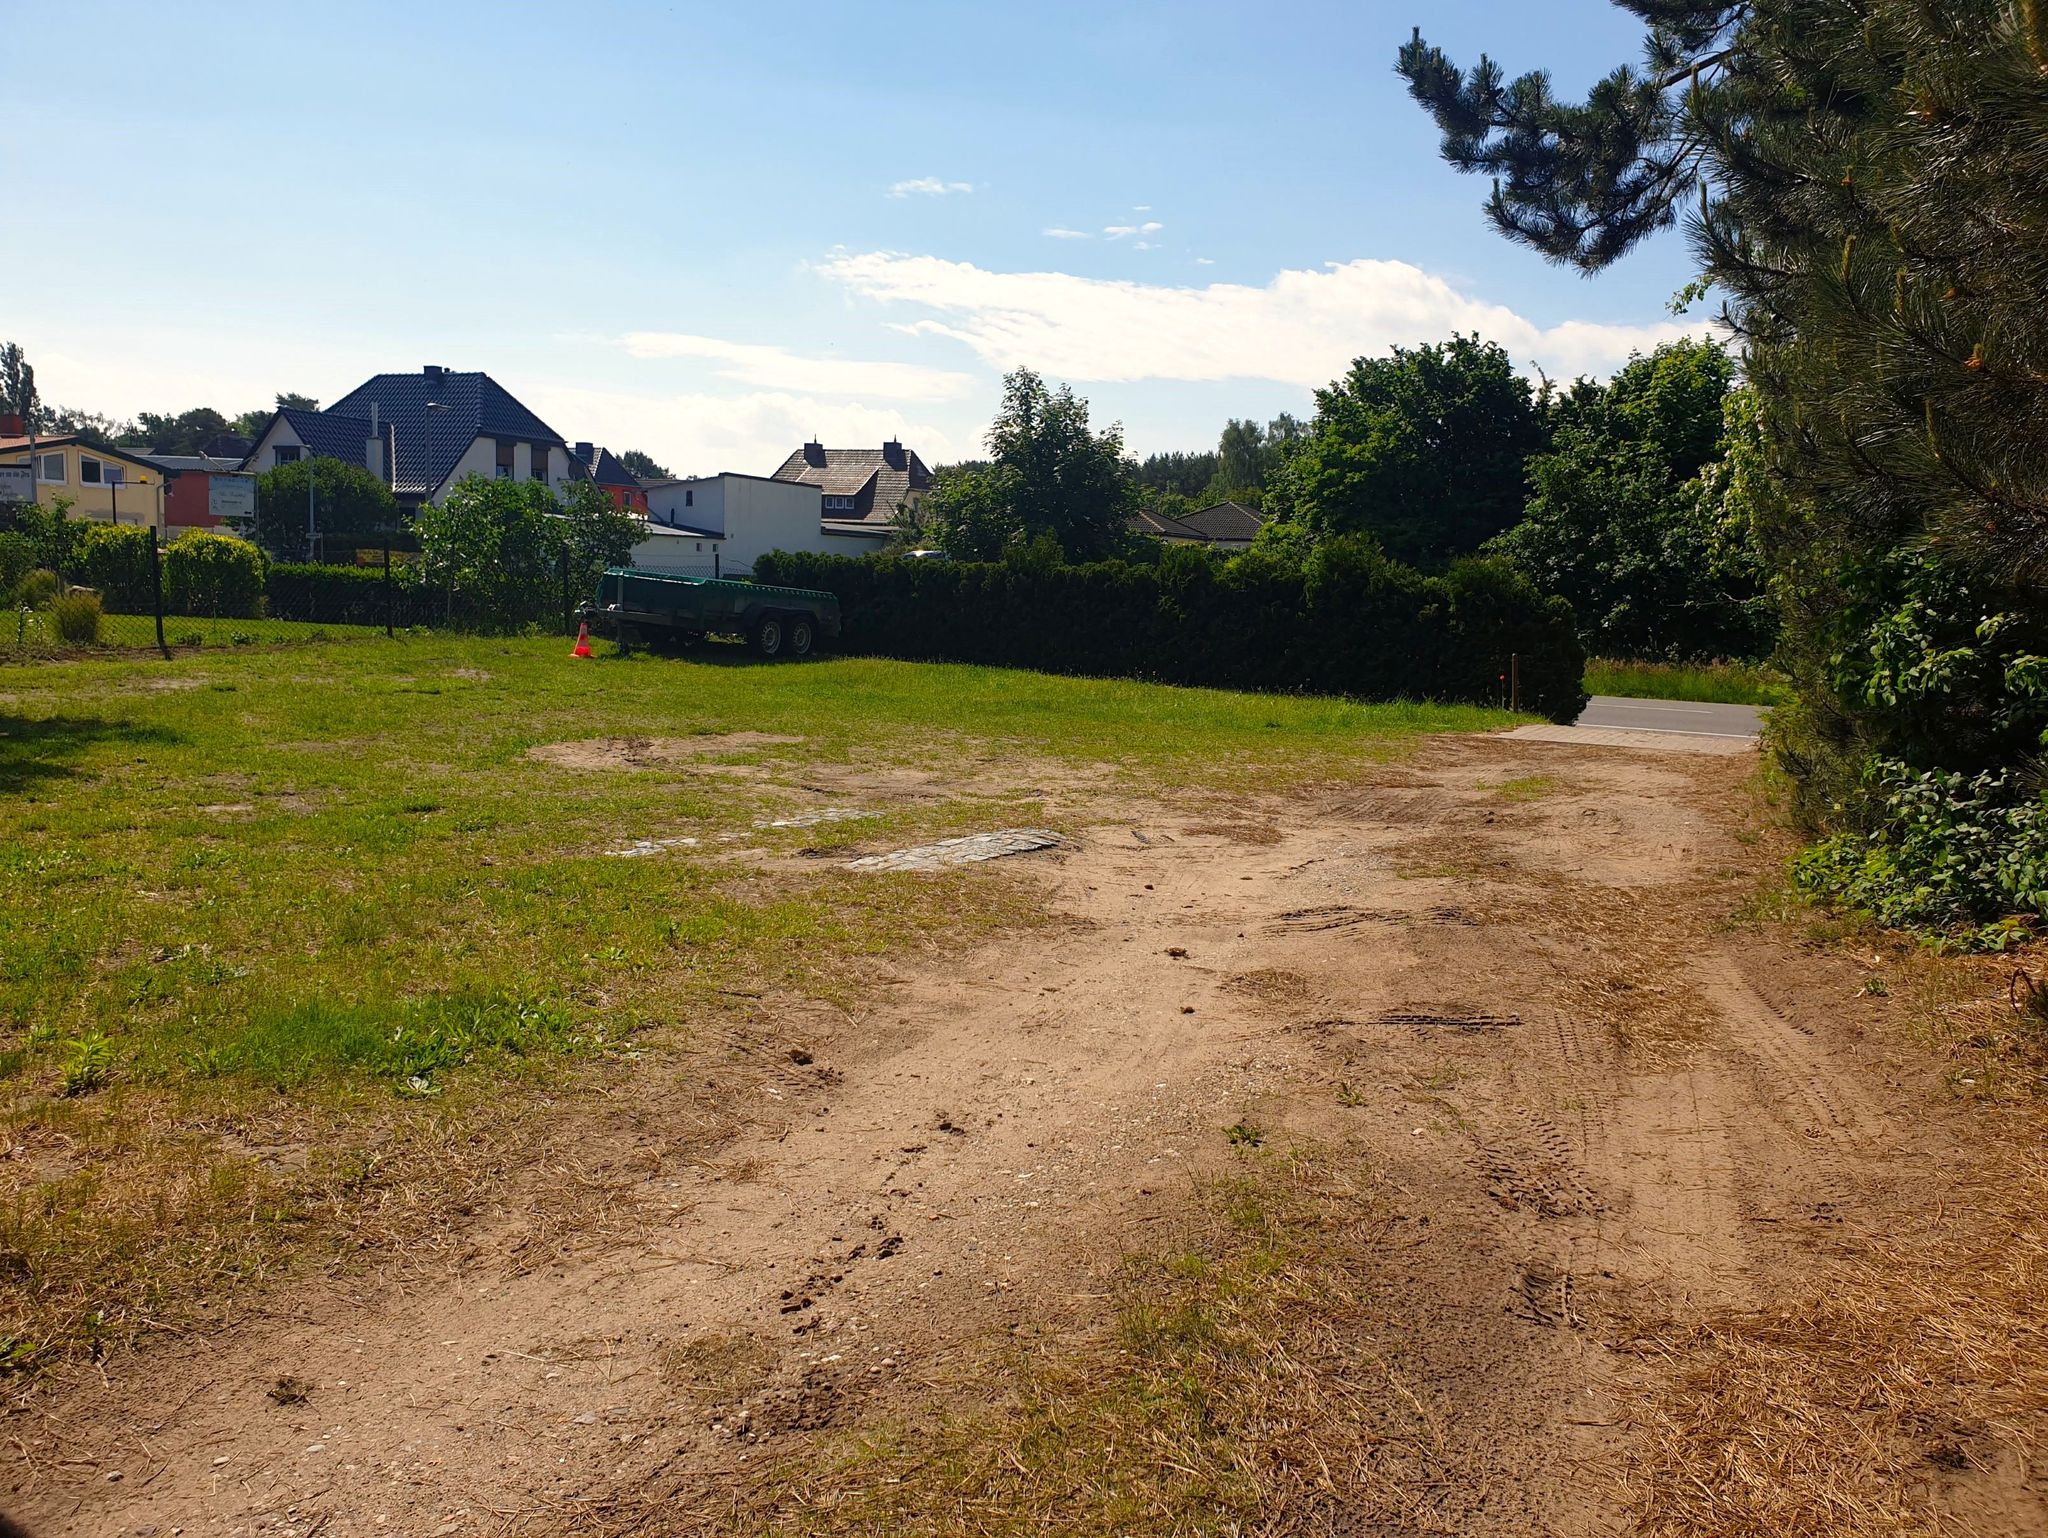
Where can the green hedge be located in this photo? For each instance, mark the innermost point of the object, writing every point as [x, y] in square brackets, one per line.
[348, 595]
[215, 576]
[1348, 622]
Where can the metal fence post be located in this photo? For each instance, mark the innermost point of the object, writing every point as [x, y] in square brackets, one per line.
[156, 587]
[390, 602]
[1514, 680]
[566, 621]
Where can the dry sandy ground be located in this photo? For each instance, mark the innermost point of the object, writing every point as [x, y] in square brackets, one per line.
[1597, 1102]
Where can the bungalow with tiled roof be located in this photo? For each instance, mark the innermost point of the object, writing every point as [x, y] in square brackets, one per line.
[1221, 526]
[859, 489]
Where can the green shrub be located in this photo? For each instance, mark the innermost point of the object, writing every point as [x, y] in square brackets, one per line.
[76, 616]
[116, 561]
[18, 557]
[1345, 621]
[215, 575]
[1942, 849]
[349, 595]
[37, 590]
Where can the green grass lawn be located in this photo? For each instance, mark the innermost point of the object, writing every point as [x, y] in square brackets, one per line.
[321, 894]
[1728, 683]
[24, 637]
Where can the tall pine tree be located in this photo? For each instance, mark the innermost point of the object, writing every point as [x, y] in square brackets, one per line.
[1868, 186]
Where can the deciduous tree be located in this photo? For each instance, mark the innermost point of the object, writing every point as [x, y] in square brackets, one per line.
[1422, 450]
[1049, 473]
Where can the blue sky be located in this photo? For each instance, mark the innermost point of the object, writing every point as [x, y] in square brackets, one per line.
[711, 231]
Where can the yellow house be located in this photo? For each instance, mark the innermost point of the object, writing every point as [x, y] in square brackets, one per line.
[101, 484]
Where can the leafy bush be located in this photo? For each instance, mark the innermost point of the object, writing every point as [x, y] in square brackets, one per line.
[18, 557]
[1345, 621]
[349, 506]
[37, 590]
[76, 617]
[215, 575]
[507, 554]
[116, 561]
[1944, 849]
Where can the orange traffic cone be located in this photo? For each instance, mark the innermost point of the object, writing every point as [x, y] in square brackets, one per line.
[582, 640]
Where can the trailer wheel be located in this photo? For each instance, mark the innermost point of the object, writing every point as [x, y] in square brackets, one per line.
[801, 638]
[768, 637]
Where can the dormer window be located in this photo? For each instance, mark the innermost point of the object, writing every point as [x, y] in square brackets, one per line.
[838, 504]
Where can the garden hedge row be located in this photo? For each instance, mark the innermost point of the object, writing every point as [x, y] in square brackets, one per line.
[1347, 622]
[350, 595]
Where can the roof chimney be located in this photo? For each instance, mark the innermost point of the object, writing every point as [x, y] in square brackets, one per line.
[814, 453]
[433, 371]
[583, 453]
[11, 426]
[892, 454]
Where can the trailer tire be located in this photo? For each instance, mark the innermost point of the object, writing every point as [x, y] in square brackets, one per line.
[768, 638]
[802, 637]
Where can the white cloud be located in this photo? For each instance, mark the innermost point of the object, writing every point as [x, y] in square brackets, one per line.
[1119, 231]
[774, 368]
[1059, 232]
[1302, 328]
[698, 434]
[928, 186]
[1205, 261]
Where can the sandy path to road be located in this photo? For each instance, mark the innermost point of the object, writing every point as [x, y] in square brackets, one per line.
[1594, 1101]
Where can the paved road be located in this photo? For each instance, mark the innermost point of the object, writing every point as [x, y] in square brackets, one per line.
[1685, 716]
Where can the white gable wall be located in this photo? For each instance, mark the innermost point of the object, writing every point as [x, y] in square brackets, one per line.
[279, 434]
[752, 515]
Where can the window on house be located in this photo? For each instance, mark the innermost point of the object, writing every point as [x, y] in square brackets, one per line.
[540, 462]
[504, 461]
[114, 475]
[50, 468]
[689, 499]
[88, 470]
[285, 454]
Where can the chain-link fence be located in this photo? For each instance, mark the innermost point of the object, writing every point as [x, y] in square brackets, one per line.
[104, 587]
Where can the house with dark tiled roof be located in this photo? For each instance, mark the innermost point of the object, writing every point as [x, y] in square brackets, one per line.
[1159, 526]
[421, 433]
[1221, 526]
[859, 488]
[602, 466]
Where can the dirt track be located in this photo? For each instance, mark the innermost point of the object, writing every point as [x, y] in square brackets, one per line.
[1596, 1113]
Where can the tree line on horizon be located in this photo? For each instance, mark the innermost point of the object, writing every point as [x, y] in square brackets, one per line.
[1627, 496]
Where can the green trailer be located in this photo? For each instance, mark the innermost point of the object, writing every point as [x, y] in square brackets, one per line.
[654, 606]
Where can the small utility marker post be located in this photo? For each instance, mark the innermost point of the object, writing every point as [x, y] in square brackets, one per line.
[1514, 681]
[389, 601]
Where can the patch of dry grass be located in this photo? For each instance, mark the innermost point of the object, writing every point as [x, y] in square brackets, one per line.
[1916, 1370]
